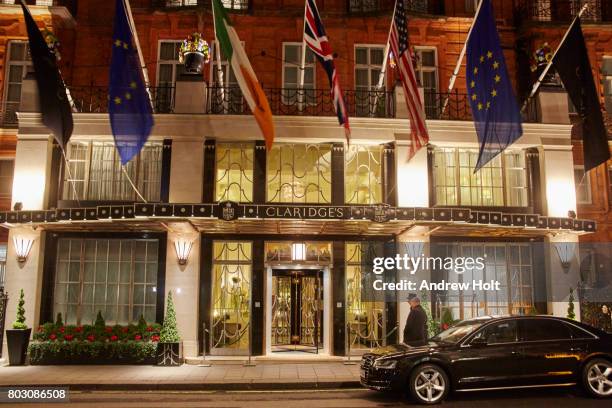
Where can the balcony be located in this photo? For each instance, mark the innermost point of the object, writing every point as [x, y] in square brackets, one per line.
[598, 11]
[234, 5]
[361, 103]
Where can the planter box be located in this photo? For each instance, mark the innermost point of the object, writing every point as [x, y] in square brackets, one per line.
[170, 354]
[17, 341]
[83, 353]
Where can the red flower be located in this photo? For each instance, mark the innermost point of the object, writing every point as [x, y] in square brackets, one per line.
[149, 328]
[113, 338]
[40, 329]
[138, 337]
[91, 337]
[52, 336]
[444, 326]
[78, 329]
[155, 338]
[108, 329]
[62, 329]
[68, 337]
[125, 330]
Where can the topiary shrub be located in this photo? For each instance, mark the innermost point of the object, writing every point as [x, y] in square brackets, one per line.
[19, 323]
[58, 320]
[169, 332]
[570, 305]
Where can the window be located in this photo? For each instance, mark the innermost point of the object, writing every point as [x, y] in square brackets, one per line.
[180, 3]
[17, 67]
[509, 264]
[368, 64]
[583, 185]
[363, 6]
[95, 173]
[365, 317]
[115, 276]
[231, 297]
[299, 173]
[498, 333]
[427, 75]
[234, 169]
[471, 6]
[292, 60]
[168, 70]
[2, 264]
[38, 2]
[544, 329]
[607, 83]
[235, 4]
[7, 168]
[363, 174]
[226, 96]
[501, 182]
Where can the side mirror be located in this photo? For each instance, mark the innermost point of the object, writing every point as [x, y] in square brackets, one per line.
[478, 342]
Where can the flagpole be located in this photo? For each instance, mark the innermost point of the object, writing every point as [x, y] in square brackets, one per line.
[143, 66]
[453, 78]
[383, 69]
[218, 60]
[302, 61]
[536, 86]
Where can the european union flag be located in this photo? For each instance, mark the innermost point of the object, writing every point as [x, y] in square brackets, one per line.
[129, 106]
[496, 114]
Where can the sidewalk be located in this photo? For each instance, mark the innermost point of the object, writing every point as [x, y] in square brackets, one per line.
[264, 376]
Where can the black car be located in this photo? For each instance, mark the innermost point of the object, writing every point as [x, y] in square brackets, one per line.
[495, 353]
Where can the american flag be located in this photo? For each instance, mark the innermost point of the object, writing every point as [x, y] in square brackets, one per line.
[401, 52]
[316, 39]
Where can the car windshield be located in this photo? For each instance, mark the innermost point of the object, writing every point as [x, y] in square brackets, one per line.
[457, 332]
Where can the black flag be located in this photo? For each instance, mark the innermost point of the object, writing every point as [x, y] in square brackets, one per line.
[572, 64]
[54, 105]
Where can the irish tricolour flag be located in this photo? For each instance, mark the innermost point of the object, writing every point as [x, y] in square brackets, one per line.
[228, 40]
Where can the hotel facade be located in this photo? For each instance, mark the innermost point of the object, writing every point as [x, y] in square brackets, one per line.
[268, 251]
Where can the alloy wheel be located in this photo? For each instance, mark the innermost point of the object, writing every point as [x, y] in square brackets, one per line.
[599, 378]
[430, 385]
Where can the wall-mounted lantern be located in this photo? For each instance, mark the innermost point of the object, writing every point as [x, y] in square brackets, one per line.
[565, 250]
[23, 245]
[182, 246]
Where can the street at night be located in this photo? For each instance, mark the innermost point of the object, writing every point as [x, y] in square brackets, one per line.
[353, 398]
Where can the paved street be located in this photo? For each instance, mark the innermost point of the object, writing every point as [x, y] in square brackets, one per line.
[353, 398]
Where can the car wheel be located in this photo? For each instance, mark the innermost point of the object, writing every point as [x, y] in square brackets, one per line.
[597, 378]
[429, 384]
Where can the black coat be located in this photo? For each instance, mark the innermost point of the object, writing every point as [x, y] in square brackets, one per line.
[415, 330]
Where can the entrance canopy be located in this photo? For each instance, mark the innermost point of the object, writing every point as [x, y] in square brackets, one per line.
[229, 217]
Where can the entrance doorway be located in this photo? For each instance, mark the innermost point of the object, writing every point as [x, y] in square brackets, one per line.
[297, 310]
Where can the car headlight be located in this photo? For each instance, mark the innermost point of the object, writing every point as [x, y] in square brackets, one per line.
[385, 364]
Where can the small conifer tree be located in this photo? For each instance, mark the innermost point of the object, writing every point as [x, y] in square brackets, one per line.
[20, 322]
[570, 305]
[169, 332]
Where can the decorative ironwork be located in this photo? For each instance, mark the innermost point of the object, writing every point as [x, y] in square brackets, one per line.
[304, 102]
[94, 99]
[232, 265]
[566, 10]
[363, 174]
[8, 114]
[366, 320]
[299, 173]
[310, 309]
[234, 179]
[281, 310]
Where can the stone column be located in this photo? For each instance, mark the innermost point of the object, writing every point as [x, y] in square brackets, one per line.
[557, 174]
[414, 243]
[184, 282]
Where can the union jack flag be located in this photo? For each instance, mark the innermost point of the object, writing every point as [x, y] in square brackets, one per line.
[316, 39]
[403, 56]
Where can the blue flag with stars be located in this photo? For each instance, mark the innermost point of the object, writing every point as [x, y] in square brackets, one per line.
[129, 106]
[497, 117]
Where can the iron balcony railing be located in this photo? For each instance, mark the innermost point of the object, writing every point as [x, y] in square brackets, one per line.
[566, 10]
[8, 114]
[233, 5]
[304, 102]
[382, 6]
[94, 99]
